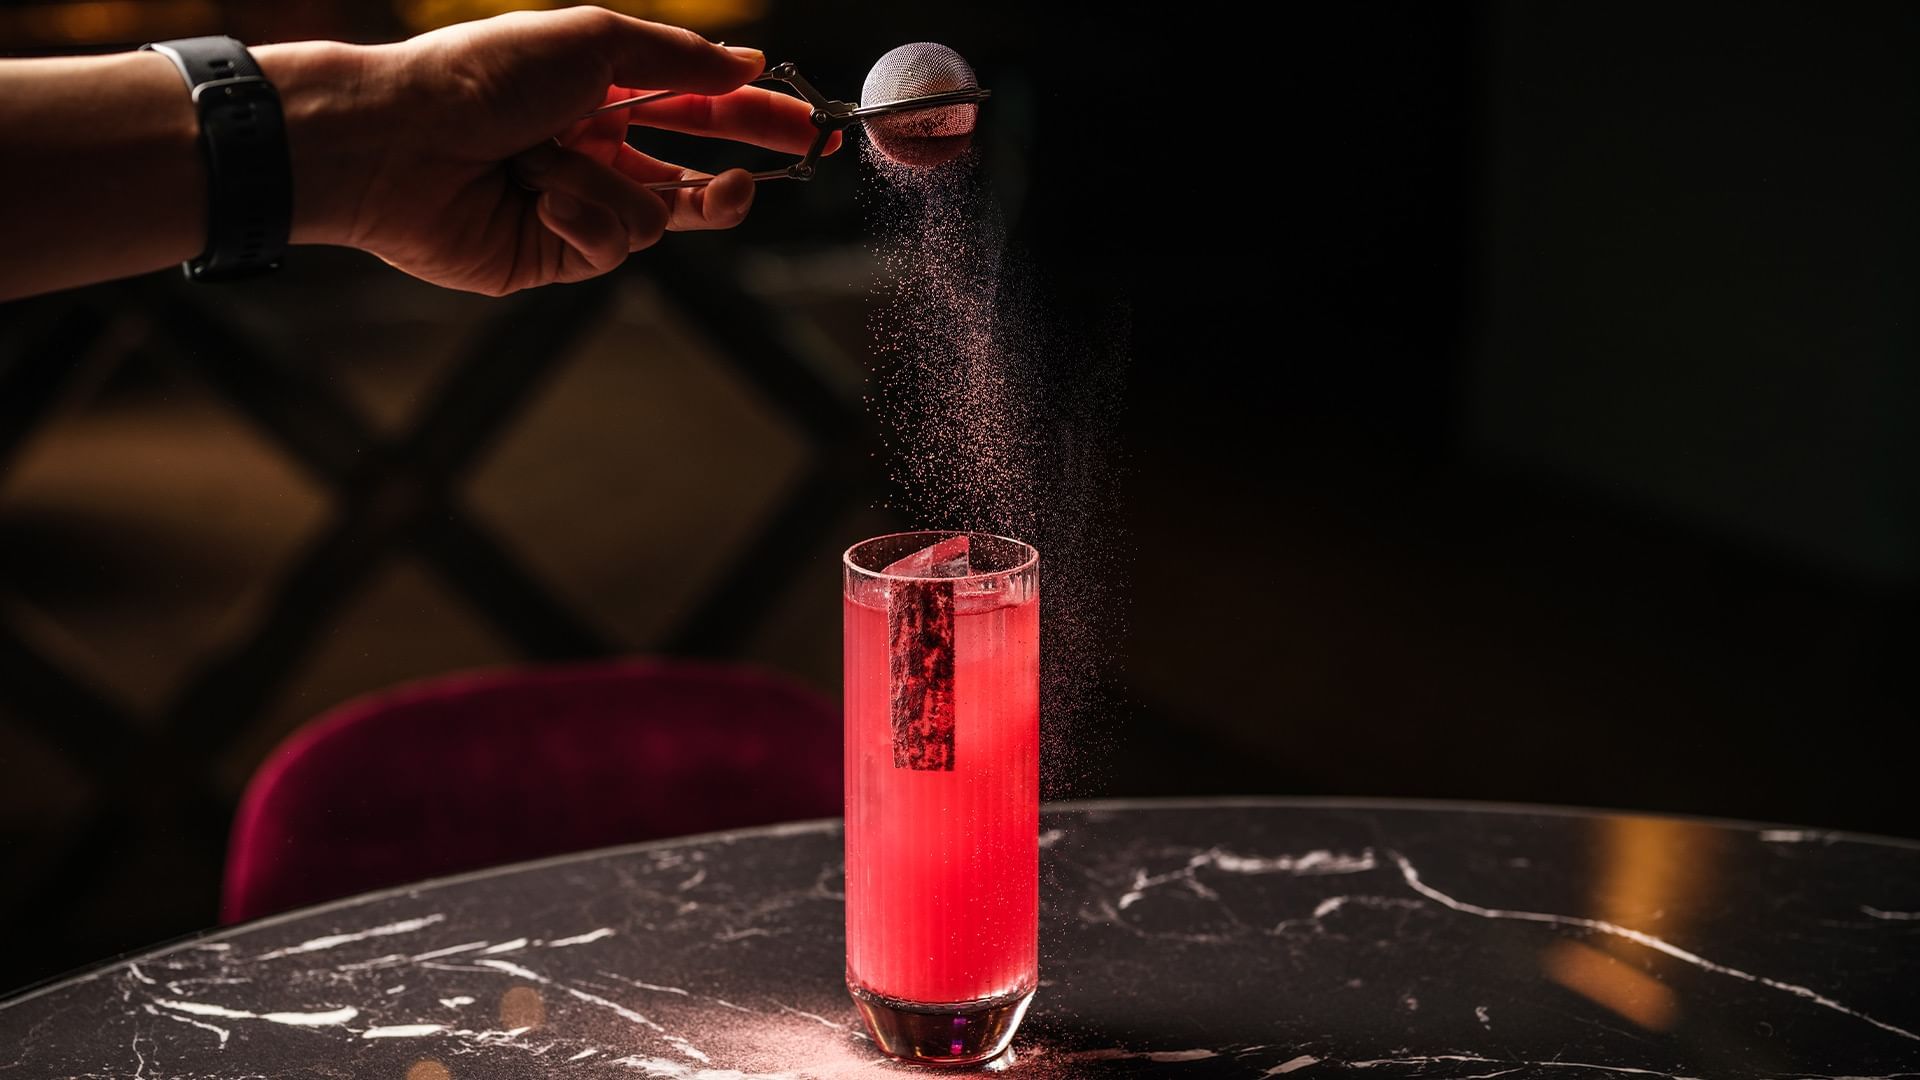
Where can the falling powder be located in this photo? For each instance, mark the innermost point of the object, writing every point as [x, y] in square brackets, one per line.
[996, 417]
[952, 389]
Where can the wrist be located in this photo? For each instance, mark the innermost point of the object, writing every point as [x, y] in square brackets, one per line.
[335, 119]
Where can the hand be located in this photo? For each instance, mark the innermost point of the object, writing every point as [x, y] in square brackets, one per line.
[424, 152]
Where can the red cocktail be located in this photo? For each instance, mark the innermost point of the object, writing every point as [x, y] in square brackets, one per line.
[943, 790]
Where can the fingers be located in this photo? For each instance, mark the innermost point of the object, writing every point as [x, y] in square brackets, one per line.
[662, 57]
[598, 137]
[750, 115]
[721, 204]
[596, 241]
[597, 210]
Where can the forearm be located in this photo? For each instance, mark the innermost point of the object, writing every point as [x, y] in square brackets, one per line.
[105, 177]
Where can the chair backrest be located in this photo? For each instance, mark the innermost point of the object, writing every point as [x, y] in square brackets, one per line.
[479, 769]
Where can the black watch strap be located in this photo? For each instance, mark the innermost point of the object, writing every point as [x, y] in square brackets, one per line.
[249, 173]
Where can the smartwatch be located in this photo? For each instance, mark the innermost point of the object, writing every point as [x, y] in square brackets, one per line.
[243, 135]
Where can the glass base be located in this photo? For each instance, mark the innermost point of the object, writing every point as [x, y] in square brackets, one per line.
[966, 1033]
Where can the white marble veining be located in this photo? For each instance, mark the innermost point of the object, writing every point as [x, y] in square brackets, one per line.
[1325, 943]
[334, 941]
[1639, 937]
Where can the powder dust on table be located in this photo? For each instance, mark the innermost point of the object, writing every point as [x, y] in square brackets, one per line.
[800, 1046]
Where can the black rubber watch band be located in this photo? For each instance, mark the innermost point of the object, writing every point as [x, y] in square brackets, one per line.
[249, 173]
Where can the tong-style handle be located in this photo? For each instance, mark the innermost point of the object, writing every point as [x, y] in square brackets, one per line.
[828, 117]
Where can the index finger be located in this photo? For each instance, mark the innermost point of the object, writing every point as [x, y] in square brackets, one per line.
[650, 54]
[750, 114]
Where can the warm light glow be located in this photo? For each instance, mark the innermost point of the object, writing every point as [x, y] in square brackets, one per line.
[1609, 982]
[106, 22]
[522, 1007]
[702, 15]
[420, 15]
[1649, 869]
[697, 14]
[1652, 871]
[428, 1070]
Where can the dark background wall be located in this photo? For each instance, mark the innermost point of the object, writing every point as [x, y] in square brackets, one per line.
[1519, 403]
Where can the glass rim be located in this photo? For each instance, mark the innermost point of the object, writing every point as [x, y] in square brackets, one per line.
[1031, 560]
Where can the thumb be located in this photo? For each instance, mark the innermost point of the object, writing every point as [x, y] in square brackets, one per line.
[661, 57]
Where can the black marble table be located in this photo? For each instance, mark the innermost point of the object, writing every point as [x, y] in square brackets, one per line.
[1199, 939]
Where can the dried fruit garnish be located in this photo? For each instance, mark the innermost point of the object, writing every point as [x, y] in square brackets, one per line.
[920, 653]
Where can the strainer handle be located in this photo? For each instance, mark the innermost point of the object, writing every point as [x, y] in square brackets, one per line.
[828, 117]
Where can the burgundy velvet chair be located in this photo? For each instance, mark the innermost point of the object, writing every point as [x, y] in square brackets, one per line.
[490, 767]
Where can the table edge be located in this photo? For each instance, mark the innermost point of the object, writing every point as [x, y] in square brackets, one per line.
[819, 825]
[1480, 806]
